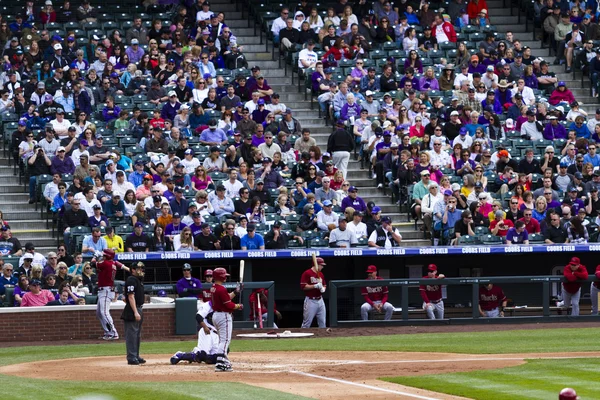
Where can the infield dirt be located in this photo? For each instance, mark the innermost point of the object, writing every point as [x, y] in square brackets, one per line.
[324, 375]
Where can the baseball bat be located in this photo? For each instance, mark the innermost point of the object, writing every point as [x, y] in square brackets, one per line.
[242, 270]
[259, 311]
[254, 315]
[314, 260]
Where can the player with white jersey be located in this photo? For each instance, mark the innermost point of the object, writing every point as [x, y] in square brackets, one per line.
[208, 340]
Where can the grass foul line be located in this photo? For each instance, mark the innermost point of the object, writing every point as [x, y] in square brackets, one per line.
[415, 396]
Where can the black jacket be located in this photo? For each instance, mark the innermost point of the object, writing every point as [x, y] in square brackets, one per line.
[340, 140]
[281, 242]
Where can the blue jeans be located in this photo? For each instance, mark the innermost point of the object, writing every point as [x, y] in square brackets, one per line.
[32, 187]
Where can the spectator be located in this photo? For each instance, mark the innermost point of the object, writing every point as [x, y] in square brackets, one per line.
[342, 236]
[252, 240]
[138, 241]
[276, 239]
[517, 234]
[36, 296]
[385, 236]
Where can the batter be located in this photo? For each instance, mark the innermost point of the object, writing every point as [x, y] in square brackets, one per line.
[223, 308]
[106, 270]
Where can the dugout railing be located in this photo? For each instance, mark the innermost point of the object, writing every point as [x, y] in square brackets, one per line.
[406, 286]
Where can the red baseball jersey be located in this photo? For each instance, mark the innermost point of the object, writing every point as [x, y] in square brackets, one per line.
[310, 277]
[221, 300]
[597, 283]
[376, 293]
[490, 299]
[580, 273]
[263, 304]
[106, 271]
[430, 293]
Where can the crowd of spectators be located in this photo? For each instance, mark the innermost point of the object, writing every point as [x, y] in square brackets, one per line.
[144, 138]
[461, 130]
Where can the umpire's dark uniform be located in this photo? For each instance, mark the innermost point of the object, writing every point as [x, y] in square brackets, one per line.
[133, 328]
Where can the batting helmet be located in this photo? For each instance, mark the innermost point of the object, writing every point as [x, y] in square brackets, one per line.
[208, 272]
[161, 293]
[567, 394]
[220, 274]
[320, 261]
[109, 254]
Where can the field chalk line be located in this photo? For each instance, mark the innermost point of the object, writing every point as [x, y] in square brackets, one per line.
[362, 385]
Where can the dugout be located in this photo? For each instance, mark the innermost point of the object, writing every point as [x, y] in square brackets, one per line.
[284, 267]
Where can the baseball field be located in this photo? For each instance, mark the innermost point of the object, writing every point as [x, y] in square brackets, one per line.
[486, 363]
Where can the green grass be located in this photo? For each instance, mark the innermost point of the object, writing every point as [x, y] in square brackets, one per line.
[537, 379]
[36, 389]
[519, 341]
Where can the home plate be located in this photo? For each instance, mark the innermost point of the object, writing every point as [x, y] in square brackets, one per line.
[276, 335]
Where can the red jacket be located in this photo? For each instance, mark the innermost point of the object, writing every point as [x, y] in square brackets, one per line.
[579, 274]
[557, 96]
[448, 30]
[475, 8]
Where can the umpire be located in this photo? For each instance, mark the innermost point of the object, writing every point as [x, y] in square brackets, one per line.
[132, 313]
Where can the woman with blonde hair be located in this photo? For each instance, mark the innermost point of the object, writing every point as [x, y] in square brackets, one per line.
[204, 206]
[541, 207]
[184, 241]
[281, 208]
[315, 20]
[36, 271]
[140, 214]
[78, 287]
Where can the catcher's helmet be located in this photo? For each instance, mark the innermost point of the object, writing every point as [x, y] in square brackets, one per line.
[208, 272]
[220, 274]
[567, 394]
[109, 254]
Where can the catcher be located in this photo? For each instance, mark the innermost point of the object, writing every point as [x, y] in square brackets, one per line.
[208, 340]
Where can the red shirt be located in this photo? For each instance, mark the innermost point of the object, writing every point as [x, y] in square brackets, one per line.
[206, 295]
[263, 304]
[580, 273]
[532, 227]
[491, 299]
[597, 283]
[220, 299]
[106, 271]
[430, 293]
[377, 293]
[502, 231]
[310, 277]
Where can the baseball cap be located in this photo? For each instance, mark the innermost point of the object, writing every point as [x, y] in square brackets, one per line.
[387, 220]
[138, 224]
[375, 210]
[327, 203]
[176, 215]
[353, 189]
[35, 282]
[187, 267]
[432, 267]
[463, 131]
[371, 269]
[57, 46]
[425, 172]
[447, 192]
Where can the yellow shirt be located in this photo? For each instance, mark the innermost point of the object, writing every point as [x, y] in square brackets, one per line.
[116, 243]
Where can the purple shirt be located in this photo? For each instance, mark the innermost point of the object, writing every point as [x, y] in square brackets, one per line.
[358, 204]
[428, 84]
[382, 146]
[174, 230]
[460, 163]
[193, 283]
[257, 141]
[515, 237]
